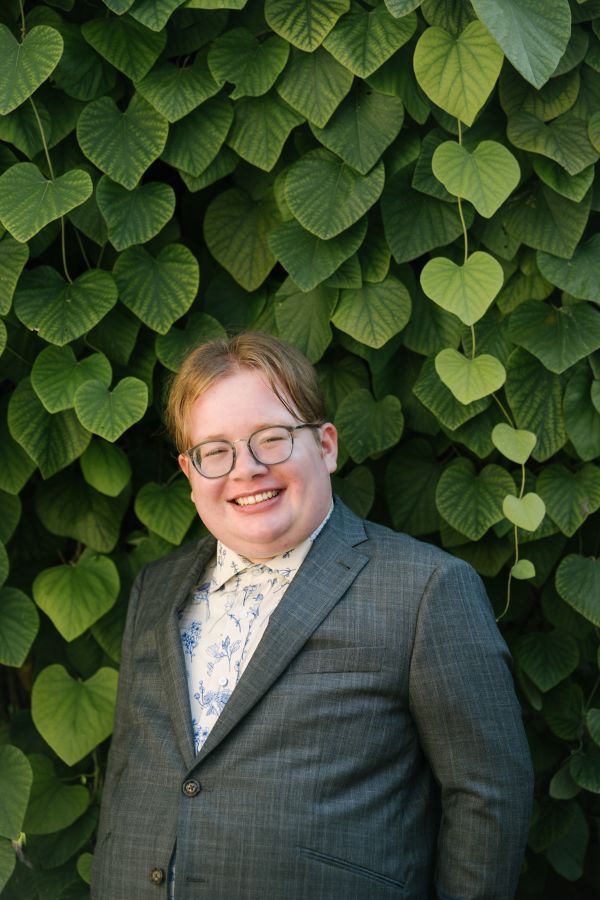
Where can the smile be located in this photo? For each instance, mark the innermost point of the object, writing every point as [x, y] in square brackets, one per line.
[256, 498]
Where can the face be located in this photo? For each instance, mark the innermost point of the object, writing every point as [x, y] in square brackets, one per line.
[299, 490]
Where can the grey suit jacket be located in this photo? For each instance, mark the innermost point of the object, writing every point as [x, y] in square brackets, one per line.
[373, 748]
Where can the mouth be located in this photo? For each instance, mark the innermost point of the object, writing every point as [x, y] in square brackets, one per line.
[255, 499]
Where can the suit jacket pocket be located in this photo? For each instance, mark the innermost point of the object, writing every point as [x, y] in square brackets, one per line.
[352, 867]
[338, 659]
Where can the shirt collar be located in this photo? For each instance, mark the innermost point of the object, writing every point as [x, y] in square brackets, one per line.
[228, 563]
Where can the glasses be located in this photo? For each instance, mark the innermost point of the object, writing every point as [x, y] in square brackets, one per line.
[268, 446]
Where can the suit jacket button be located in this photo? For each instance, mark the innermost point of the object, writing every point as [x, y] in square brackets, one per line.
[191, 788]
[157, 876]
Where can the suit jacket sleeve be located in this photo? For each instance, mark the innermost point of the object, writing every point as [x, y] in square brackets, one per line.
[469, 720]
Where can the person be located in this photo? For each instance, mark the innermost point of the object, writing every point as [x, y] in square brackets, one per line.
[311, 706]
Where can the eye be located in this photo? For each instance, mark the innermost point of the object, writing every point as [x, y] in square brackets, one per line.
[217, 450]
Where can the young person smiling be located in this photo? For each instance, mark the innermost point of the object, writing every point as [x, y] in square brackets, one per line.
[311, 706]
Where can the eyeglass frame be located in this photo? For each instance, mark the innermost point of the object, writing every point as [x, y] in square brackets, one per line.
[289, 428]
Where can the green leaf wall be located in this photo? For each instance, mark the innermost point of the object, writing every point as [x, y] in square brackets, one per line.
[406, 191]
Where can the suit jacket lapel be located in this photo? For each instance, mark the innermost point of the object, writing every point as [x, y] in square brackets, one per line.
[326, 574]
[170, 652]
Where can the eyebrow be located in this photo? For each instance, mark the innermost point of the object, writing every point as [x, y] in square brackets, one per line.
[220, 437]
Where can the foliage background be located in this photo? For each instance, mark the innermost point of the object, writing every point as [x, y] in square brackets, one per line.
[173, 170]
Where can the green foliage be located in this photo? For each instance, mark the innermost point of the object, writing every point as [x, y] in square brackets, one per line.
[403, 189]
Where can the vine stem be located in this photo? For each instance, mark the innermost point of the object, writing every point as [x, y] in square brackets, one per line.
[459, 201]
[23, 26]
[51, 171]
[504, 411]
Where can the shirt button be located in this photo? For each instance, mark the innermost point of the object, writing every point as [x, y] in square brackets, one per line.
[157, 876]
[191, 788]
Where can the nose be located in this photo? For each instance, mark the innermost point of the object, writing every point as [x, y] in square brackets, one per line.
[246, 466]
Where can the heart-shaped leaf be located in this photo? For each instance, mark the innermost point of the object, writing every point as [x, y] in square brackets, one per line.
[166, 509]
[15, 465]
[543, 219]
[69, 507]
[105, 467]
[411, 480]
[76, 596]
[314, 84]
[485, 177]
[134, 217]
[547, 658]
[307, 258]
[559, 337]
[585, 771]
[260, 129]
[28, 201]
[53, 441]
[436, 397]
[592, 720]
[10, 515]
[356, 490]
[469, 501]
[24, 67]
[154, 14]
[303, 317]
[53, 805]
[570, 497]
[579, 275]
[73, 716]
[578, 583]
[533, 41]
[470, 379]
[523, 569]
[513, 443]
[327, 196]
[60, 311]
[16, 779]
[158, 289]
[525, 512]
[466, 290]
[56, 375]
[173, 347]
[565, 139]
[415, 223]
[19, 623]
[364, 39]
[368, 427]
[304, 25]
[175, 91]
[374, 313]
[195, 141]
[110, 413]
[535, 396]
[581, 419]
[458, 73]
[252, 66]
[236, 229]
[13, 256]
[363, 126]
[126, 44]
[122, 145]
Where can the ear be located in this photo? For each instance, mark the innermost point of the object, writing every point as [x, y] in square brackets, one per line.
[184, 464]
[329, 445]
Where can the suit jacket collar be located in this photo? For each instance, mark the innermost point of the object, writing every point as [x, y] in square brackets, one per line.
[326, 574]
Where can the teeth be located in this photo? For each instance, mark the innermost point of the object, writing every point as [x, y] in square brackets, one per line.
[256, 498]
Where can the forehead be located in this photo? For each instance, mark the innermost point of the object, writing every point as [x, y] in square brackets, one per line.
[237, 403]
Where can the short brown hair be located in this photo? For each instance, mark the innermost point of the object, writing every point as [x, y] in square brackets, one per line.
[291, 376]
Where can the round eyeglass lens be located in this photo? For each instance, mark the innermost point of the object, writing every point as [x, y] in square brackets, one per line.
[214, 458]
[271, 445]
